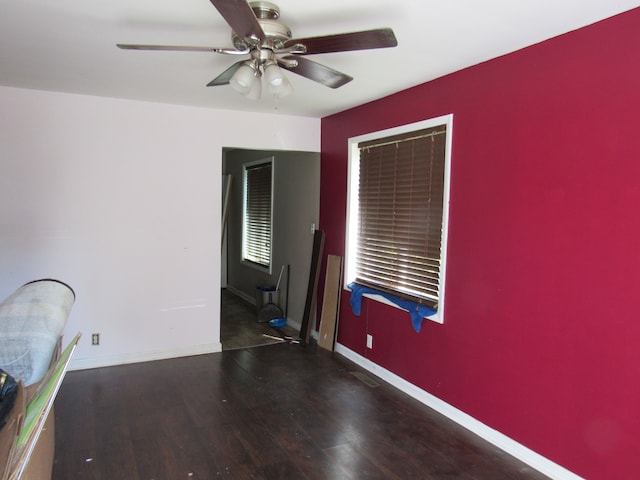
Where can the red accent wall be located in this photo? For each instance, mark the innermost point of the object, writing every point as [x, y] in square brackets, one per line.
[541, 339]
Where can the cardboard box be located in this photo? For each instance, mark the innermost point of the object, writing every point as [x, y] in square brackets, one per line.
[27, 440]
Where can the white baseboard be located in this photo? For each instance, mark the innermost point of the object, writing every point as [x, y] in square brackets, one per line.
[293, 324]
[517, 450]
[241, 294]
[110, 361]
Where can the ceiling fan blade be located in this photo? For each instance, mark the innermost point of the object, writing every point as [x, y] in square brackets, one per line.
[343, 42]
[181, 48]
[224, 77]
[314, 71]
[240, 17]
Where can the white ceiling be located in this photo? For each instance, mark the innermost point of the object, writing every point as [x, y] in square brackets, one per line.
[70, 45]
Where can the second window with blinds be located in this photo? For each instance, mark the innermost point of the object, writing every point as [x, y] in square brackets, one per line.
[398, 210]
[257, 184]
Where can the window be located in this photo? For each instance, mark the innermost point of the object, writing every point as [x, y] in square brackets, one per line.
[257, 180]
[398, 210]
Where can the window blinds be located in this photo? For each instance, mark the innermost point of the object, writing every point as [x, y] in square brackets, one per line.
[400, 196]
[257, 215]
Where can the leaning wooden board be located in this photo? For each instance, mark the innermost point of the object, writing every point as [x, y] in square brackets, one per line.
[312, 290]
[330, 302]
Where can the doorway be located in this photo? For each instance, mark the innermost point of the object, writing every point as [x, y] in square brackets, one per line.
[296, 210]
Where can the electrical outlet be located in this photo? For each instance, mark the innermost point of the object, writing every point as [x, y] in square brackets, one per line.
[369, 341]
[95, 339]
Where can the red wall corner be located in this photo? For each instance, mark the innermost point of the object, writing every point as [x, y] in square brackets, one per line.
[542, 328]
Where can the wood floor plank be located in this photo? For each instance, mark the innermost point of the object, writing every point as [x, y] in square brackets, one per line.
[358, 466]
[239, 326]
[271, 412]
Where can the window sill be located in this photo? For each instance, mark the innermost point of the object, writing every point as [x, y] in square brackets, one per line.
[436, 317]
[416, 320]
[255, 266]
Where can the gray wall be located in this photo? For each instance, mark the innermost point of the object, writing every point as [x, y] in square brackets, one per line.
[296, 208]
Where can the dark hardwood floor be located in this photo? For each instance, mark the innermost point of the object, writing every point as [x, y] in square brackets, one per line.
[239, 326]
[281, 411]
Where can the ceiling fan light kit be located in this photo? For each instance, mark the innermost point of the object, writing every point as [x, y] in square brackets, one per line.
[257, 32]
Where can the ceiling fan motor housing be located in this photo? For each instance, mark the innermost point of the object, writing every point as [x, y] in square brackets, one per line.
[276, 33]
[265, 10]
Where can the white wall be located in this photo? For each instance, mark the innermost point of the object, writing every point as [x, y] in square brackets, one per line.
[121, 200]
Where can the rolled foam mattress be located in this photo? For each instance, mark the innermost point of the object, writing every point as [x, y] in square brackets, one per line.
[31, 322]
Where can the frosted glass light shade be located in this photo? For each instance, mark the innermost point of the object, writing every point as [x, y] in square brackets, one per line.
[277, 83]
[243, 79]
[255, 91]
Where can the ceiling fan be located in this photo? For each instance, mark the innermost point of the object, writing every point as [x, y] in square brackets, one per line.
[257, 32]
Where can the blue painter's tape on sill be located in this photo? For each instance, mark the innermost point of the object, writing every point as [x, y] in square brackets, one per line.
[416, 311]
